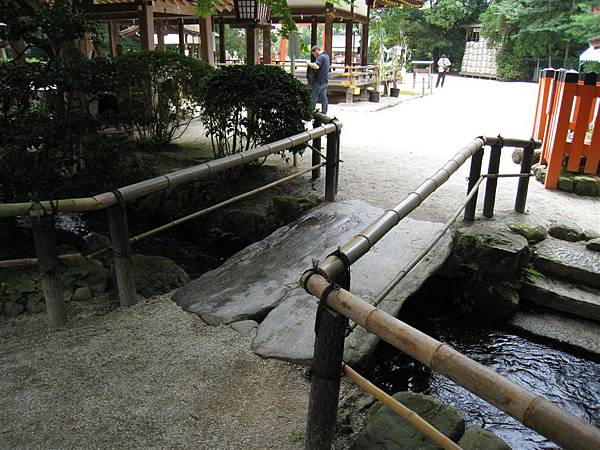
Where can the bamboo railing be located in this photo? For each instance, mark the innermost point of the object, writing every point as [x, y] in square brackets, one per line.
[338, 305]
[42, 212]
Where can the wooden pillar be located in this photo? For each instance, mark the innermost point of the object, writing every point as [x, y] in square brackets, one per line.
[331, 166]
[267, 45]
[316, 157]
[147, 25]
[181, 32]
[206, 40]
[160, 35]
[19, 49]
[282, 49]
[113, 37]
[328, 44]
[251, 45]
[349, 36]
[325, 381]
[119, 238]
[314, 26]
[364, 45]
[222, 48]
[50, 273]
[2, 54]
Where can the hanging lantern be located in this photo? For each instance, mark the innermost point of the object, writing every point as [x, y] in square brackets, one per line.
[252, 11]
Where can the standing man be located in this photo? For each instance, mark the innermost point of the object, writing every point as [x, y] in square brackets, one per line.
[318, 93]
[443, 68]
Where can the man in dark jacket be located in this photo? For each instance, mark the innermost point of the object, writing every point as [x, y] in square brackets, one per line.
[318, 93]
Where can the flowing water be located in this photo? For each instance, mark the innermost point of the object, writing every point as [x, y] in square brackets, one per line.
[570, 381]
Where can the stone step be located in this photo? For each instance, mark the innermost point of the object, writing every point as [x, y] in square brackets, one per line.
[563, 296]
[569, 261]
[574, 332]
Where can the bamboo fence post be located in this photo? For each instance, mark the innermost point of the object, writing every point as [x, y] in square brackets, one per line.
[325, 382]
[491, 183]
[474, 175]
[119, 237]
[331, 165]
[50, 273]
[316, 157]
[523, 186]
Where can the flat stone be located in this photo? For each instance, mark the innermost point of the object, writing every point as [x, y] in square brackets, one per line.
[386, 430]
[593, 245]
[566, 231]
[560, 328]
[244, 327]
[288, 331]
[563, 296]
[569, 261]
[476, 438]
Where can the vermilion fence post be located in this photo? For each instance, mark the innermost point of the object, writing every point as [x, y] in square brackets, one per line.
[584, 97]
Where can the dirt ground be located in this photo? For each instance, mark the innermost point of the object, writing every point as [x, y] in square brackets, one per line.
[153, 376]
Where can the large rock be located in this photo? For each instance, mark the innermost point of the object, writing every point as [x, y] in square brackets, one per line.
[585, 185]
[157, 275]
[13, 308]
[267, 273]
[533, 234]
[593, 245]
[386, 430]
[569, 261]
[476, 438]
[491, 251]
[517, 156]
[563, 296]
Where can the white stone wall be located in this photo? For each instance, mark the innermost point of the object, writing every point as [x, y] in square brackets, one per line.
[479, 59]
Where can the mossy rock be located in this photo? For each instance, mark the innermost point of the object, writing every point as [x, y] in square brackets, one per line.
[288, 208]
[532, 234]
[156, 275]
[585, 185]
[492, 300]
[386, 430]
[476, 438]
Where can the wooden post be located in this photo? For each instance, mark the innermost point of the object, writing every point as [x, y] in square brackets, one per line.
[364, 45]
[331, 166]
[206, 40]
[267, 46]
[222, 43]
[113, 37]
[325, 382]
[523, 186]
[181, 32]
[491, 183]
[316, 158]
[119, 237]
[146, 10]
[349, 49]
[50, 273]
[18, 47]
[250, 45]
[474, 175]
[328, 44]
[160, 35]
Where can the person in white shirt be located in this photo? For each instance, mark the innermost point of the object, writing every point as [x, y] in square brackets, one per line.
[443, 68]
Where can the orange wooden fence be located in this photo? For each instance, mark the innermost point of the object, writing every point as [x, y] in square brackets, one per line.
[567, 120]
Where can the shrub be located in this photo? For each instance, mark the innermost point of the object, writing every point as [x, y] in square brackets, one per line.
[156, 93]
[246, 106]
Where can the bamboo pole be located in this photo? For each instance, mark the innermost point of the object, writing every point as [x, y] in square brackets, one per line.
[406, 413]
[532, 410]
[170, 180]
[29, 262]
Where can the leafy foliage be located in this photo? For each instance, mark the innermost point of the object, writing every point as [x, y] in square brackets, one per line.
[531, 30]
[157, 92]
[245, 106]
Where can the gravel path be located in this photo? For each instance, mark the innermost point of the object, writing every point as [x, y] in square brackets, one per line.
[153, 376]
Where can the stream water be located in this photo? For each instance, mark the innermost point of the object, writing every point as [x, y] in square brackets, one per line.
[571, 381]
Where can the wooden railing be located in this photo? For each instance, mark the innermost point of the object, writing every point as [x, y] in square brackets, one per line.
[567, 120]
[329, 281]
[42, 213]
